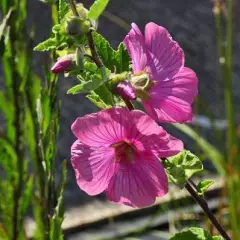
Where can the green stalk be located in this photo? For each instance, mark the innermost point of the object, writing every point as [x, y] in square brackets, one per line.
[231, 130]
[17, 99]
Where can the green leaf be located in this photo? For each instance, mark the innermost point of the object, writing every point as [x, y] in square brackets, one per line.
[47, 45]
[181, 167]
[203, 186]
[117, 61]
[97, 8]
[90, 81]
[122, 59]
[94, 98]
[195, 233]
[211, 152]
[63, 9]
[86, 87]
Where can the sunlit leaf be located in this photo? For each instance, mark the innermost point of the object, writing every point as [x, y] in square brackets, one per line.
[117, 61]
[97, 8]
[47, 45]
[182, 167]
[63, 8]
[203, 186]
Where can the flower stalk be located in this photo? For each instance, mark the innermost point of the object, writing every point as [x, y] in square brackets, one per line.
[203, 204]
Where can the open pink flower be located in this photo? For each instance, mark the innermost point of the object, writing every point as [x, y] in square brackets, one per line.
[173, 86]
[118, 151]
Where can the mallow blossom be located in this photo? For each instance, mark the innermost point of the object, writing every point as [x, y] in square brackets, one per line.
[172, 87]
[117, 151]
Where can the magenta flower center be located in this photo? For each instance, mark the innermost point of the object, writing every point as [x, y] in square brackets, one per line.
[124, 152]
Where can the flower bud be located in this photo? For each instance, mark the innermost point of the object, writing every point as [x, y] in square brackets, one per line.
[126, 90]
[63, 64]
[75, 26]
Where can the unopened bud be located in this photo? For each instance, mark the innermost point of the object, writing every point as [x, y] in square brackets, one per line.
[126, 90]
[63, 64]
[75, 26]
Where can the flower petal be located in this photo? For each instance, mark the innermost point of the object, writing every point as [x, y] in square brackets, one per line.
[134, 42]
[103, 128]
[148, 136]
[168, 110]
[167, 56]
[93, 167]
[171, 99]
[138, 184]
[183, 86]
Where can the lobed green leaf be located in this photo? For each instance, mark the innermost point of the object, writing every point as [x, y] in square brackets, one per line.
[47, 45]
[182, 167]
[195, 233]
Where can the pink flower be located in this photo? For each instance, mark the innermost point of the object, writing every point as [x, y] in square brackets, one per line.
[174, 86]
[126, 90]
[118, 151]
[63, 64]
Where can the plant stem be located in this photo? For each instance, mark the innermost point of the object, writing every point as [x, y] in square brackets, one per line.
[91, 44]
[94, 53]
[203, 204]
[73, 7]
[228, 93]
[128, 104]
[18, 132]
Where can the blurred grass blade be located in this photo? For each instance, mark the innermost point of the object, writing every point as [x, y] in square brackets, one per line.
[211, 152]
[4, 23]
[56, 221]
[27, 196]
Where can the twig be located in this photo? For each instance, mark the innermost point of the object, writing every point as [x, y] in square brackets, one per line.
[94, 53]
[73, 7]
[203, 204]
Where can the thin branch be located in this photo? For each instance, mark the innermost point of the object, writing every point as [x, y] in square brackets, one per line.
[203, 204]
[94, 53]
[73, 7]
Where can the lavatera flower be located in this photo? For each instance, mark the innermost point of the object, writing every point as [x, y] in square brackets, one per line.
[166, 87]
[117, 151]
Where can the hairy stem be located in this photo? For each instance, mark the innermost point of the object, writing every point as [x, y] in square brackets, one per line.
[94, 53]
[73, 7]
[203, 204]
